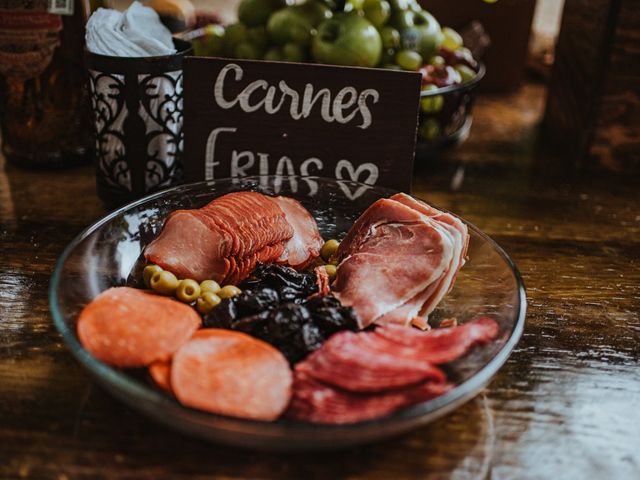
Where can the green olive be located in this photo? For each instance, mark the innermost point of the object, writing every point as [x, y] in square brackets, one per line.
[164, 282]
[209, 286]
[148, 272]
[331, 271]
[328, 249]
[188, 290]
[229, 291]
[207, 302]
[437, 60]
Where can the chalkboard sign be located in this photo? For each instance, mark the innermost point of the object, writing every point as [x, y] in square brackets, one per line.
[264, 118]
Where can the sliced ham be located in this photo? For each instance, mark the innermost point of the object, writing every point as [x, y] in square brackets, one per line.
[399, 260]
[305, 244]
[459, 233]
[225, 239]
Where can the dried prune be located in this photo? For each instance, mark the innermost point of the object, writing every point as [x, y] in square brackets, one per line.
[286, 320]
[289, 283]
[255, 324]
[256, 300]
[221, 316]
[312, 337]
[278, 305]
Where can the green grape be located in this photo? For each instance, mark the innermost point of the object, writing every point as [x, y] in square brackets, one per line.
[452, 39]
[431, 104]
[409, 60]
[429, 130]
[466, 74]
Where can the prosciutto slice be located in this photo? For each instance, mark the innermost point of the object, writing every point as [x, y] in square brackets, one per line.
[399, 260]
[226, 238]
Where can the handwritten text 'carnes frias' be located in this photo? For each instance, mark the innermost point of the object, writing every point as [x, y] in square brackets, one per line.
[348, 105]
[344, 108]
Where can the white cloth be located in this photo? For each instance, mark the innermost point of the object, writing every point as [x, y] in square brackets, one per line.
[136, 32]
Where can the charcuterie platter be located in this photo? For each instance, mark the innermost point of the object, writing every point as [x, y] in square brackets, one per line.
[288, 312]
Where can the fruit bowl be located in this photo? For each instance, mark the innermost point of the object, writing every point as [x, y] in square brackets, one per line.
[450, 125]
[109, 252]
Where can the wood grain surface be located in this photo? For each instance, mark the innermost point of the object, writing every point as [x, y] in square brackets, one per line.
[566, 405]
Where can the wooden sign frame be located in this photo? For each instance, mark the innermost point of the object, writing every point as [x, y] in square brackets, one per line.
[260, 118]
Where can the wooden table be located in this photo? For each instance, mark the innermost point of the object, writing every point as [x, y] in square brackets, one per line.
[566, 404]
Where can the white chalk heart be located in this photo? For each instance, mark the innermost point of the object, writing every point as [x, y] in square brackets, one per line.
[354, 175]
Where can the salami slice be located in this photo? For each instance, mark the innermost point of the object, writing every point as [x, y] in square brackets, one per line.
[231, 373]
[362, 362]
[314, 401]
[440, 345]
[127, 327]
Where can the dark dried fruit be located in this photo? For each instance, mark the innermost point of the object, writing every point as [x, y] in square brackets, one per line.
[290, 284]
[256, 300]
[285, 321]
[221, 316]
[278, 305]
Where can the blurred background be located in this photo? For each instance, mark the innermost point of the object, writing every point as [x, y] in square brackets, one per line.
[583, 113]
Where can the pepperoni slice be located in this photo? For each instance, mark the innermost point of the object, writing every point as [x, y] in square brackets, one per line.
[160, 373]
[128, 327]
[231, 373]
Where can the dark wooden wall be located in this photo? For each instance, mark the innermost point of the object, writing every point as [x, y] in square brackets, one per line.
[593, 105]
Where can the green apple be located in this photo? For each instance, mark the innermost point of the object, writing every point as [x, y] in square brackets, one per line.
[290, 24]
[292, 52]
[235, 34]
[390, 37]
[420, 31]
[317, 12]
[347, 39]
[376, 11]
[256, 12]
[212, 43]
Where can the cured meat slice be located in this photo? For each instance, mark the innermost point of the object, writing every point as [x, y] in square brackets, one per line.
[362, 362]
[440, 345]
[305, 244]
[160, 370]
[413, 282]
[317, 402]
[231, 373]
[322, 281]
[225, 239]
[128, 327]
[160, 373]
[459, 233]
[391, 254]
